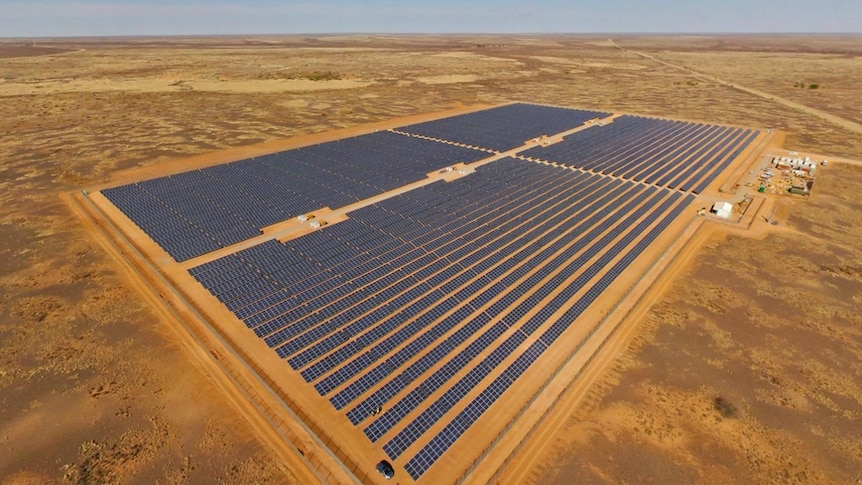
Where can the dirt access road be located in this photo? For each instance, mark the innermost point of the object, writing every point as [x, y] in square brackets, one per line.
[831, 118]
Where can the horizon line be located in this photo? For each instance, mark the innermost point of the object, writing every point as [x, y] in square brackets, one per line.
[443, 34]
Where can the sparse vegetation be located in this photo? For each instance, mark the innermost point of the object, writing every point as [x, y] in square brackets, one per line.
[309, 75]
[726, 408]
[802, 85]
[318, 76]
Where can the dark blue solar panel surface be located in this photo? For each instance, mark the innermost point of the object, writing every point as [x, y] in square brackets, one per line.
[441, 442]
[427, 307]
[505, 127]
[196, 212]
[673, 154]
[389, 307]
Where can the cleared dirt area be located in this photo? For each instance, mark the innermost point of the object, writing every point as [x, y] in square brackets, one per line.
[95, 388]
[747, 370]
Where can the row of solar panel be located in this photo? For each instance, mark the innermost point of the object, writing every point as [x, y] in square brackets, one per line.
[197, 271]
[449, 274]
[639, 136]
[454, 283]
[513, 291]
[341, 231]
[719, 168]
[263, 316]
[187, 237]
[567, 266]
[674, 154]
[443, 440]
[316, 242]
[505, 127]
[396, 302]
[630, 133]
[195, 212]
[372, 216]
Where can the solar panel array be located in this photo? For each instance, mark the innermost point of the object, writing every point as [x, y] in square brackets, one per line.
[505, 127]
[196, 212]
[414, 316]
[397, 302]
[672, 154]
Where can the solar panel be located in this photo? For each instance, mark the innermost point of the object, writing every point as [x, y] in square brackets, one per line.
[661, 152]
[428, 306]
[196, 212]
[505, 127]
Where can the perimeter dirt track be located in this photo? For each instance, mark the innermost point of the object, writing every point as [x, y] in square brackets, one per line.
[96, 387]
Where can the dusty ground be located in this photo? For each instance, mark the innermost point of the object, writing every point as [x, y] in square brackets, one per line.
[92, 389]
[747, 371]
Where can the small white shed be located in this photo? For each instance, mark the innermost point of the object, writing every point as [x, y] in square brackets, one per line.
[722, 209]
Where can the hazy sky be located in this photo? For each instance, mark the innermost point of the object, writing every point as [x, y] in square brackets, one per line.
[155, 17]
